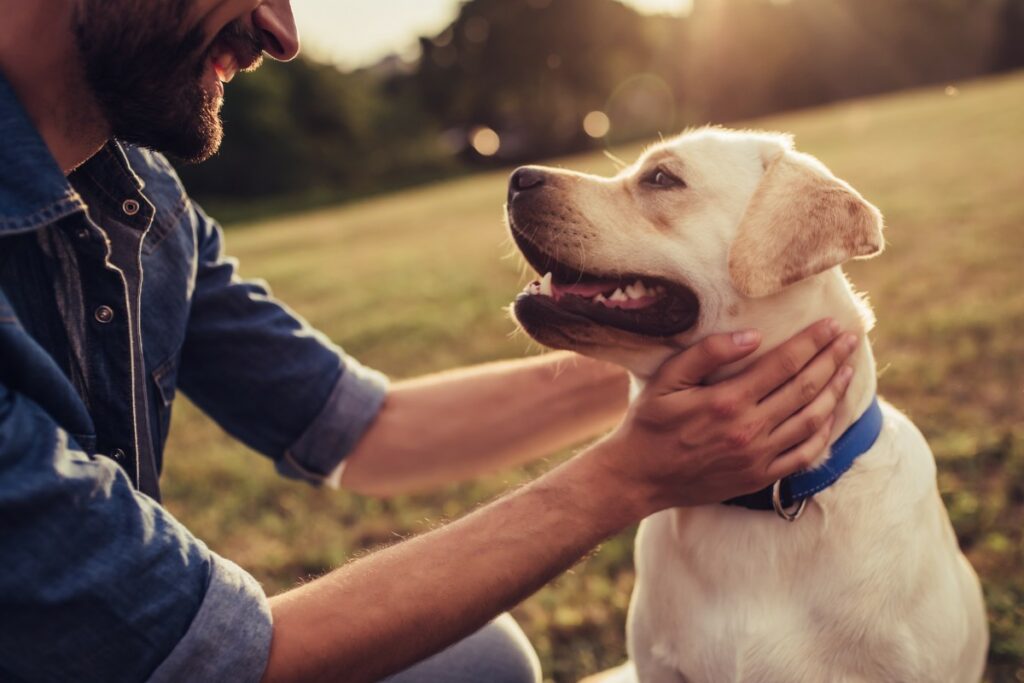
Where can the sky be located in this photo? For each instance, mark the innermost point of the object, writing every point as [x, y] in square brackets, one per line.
[355, 33]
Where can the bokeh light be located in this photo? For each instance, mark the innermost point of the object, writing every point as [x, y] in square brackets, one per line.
[641, 104]
[477, 30]
[485, 141]
[596, 124]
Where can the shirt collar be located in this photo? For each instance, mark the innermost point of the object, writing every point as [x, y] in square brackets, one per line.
[33, 190]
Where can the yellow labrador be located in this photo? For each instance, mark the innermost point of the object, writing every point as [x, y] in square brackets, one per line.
[717, 231]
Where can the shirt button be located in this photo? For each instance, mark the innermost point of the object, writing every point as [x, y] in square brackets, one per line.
[118, 455]
[82, 234]
[130, 207]
[104, 314]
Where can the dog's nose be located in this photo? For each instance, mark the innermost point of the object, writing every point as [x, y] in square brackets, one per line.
[526, 178]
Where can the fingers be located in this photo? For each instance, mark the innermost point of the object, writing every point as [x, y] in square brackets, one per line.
[782, 363]
[800, 391]
[806, 423]
[696, 363]
[802, 456]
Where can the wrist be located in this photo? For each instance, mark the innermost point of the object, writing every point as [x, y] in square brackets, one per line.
[616, 496]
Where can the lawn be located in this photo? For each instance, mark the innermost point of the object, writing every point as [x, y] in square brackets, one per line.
[416, 282]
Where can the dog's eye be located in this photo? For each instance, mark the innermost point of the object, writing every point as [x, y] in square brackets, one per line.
[661, 178]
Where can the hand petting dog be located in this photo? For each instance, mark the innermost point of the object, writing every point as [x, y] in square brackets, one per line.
[690, 444]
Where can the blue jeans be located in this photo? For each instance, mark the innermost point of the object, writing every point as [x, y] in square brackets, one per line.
[497, 653]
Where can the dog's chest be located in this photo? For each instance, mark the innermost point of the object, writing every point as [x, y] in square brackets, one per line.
[727, 594]
[731, 606]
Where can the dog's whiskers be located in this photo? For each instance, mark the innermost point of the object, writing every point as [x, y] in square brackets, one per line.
[616, 160]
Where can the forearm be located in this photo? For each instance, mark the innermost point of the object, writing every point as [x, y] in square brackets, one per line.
[463, 423]
[384, 612]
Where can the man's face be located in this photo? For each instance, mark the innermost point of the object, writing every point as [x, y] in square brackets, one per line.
[157, 67]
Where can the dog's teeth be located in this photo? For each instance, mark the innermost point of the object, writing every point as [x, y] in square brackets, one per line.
[545, 284]
[618, 295]
[636, 290]
[600, 299]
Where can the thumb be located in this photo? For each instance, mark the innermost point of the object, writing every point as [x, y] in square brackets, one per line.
[695, 364]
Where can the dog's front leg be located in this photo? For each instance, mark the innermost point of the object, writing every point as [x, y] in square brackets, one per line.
[640, 640]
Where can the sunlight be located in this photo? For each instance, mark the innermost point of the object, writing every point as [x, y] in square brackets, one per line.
[677, 7]
[354, 33]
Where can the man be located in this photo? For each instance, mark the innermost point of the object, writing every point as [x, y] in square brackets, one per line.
[114, 292]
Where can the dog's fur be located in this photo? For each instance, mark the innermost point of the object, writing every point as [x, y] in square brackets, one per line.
[869, 584]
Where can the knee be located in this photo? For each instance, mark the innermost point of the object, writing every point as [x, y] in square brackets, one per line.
[497, 653]
[511, 657]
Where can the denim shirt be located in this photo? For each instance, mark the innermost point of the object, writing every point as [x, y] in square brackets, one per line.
[115, 292]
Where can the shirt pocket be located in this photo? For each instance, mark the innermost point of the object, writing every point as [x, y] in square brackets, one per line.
[165, 379]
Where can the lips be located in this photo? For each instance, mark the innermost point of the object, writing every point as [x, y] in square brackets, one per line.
[225, 65]
[637, 303]
[235, 49]
[637, 295]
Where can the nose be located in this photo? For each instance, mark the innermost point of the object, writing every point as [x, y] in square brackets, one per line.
[276, 25]
[526, 178]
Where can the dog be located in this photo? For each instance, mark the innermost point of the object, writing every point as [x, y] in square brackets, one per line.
[714, 231]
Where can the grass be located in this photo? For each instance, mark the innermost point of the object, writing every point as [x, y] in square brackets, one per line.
[416, 281]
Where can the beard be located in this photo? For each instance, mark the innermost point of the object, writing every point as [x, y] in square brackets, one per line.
[146, 71]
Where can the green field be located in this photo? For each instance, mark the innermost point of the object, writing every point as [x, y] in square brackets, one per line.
[417, 281]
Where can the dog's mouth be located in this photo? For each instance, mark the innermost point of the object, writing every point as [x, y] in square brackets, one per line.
[637, 303]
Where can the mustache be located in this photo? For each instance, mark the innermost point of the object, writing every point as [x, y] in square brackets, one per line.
[241, 39]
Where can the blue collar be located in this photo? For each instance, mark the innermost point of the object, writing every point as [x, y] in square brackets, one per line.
[854, 442]
[33, 189]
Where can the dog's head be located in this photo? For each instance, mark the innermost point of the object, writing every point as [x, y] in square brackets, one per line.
[699, 231]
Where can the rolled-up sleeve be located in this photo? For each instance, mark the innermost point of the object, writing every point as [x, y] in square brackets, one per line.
[99, 583]
[266, 376]
[317, 455]
[229, 638]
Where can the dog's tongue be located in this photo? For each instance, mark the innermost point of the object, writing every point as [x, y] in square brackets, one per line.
[587, 290]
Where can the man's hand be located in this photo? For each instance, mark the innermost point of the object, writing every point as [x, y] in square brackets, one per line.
[683, 443]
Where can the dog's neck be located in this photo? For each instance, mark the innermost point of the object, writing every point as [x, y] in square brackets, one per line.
[781, 316]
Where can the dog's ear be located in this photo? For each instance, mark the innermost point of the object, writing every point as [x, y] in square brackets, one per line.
[801, 221]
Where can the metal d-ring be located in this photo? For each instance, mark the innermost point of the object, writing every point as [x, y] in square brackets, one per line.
[794, 512]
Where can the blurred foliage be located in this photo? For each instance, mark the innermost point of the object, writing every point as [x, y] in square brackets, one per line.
[415, 282]
[307, 129]
[532, 69]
